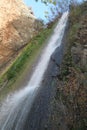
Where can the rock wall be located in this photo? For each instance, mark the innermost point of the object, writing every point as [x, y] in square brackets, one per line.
[16, 27]
[72, 87]
[79, 50]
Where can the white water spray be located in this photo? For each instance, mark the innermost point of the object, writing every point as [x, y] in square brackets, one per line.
[15, 108]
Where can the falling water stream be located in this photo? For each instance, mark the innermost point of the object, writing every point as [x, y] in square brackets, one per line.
[16, 106]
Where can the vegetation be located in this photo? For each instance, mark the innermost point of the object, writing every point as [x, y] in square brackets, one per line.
[73, 77]
[28, 54]
[57, 7]
[71, 97]
[69, 105]
[18, 64]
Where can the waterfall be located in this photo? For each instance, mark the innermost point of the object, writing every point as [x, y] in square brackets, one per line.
[15, 108]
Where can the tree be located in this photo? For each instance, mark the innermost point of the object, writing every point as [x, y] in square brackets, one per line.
[47, 1]
[39, 24]
[57, 7]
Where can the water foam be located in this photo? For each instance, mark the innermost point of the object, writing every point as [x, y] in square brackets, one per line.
[15, 108]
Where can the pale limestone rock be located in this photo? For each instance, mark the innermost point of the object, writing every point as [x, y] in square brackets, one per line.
[16, 27]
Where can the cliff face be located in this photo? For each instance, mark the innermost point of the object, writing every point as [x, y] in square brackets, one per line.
[16, 27]
[70, 103]
[72, 90]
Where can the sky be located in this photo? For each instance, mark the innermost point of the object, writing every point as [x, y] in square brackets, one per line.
[38, 8]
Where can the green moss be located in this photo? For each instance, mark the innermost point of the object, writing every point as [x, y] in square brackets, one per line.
[23, 61]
